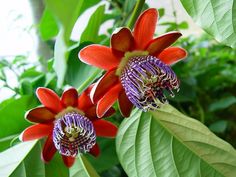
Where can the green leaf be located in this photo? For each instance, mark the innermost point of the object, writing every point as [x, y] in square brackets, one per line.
[219, 126]
[22, 160]
[26, 88]
[82, 168]
[61, 55]
[79, 74]
[56, 167]
[6, 142]
[107, 157]
[218, 18]
[183, 25]
[48, 27]
[161, 12]
[12, 115]
[222, 103]
[91, 31]
[66, 14]
[168, 143]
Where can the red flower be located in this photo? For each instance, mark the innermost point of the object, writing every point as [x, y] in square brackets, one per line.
[137, 67]
[69, 123]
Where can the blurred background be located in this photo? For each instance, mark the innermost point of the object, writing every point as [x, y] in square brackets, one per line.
[20, 36]
[208, 75]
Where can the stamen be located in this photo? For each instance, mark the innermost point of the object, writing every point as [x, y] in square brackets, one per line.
[73, 133]
[145, 78]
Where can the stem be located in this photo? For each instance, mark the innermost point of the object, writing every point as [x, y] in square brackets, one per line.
[89, 80]
[137, 10]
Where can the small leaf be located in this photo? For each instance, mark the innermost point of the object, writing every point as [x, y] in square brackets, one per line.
[183, 25]
[91, 31]
[48, 27]
[219, 126]
[161, 12]
[26, 88]
[168, 143]
[222, 103]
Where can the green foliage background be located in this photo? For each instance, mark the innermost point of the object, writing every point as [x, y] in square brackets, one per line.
[148, 144]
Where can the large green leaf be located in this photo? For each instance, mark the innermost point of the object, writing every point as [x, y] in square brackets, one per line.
[216, 17]
[82, 168]
[12, 120]
[22, 160]
[168, 143]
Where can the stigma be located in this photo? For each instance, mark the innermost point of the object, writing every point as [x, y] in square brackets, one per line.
[147, 80]
[73, 133]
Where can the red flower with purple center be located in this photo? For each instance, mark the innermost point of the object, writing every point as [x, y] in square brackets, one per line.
[137, 66]
[70, 124]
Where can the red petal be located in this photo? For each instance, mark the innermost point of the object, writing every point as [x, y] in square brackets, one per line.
[109, 113]
[108, 100]
[40, 115]
[124, 104]
[99, 56]
[123, 40]
[160, 43]
[91, 112]
[49, 99]
[48, 150]
[84, 101]
[104, 128]
[95, 151]
[172, 55]
[36, 132]
[145, 28]
[70, 98]
[103, 85]
[68, 161]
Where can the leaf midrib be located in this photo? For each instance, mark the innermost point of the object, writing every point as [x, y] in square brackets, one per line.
[178, 139]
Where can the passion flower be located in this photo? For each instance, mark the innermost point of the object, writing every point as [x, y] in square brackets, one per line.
[138, 67]
[70, 124]
[145, 78]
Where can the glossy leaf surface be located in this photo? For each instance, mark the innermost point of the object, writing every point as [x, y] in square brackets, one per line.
[168, 143]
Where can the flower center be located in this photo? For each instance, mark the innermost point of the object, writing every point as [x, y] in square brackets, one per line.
[73, 133]
[145, 78]
[126, 58]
